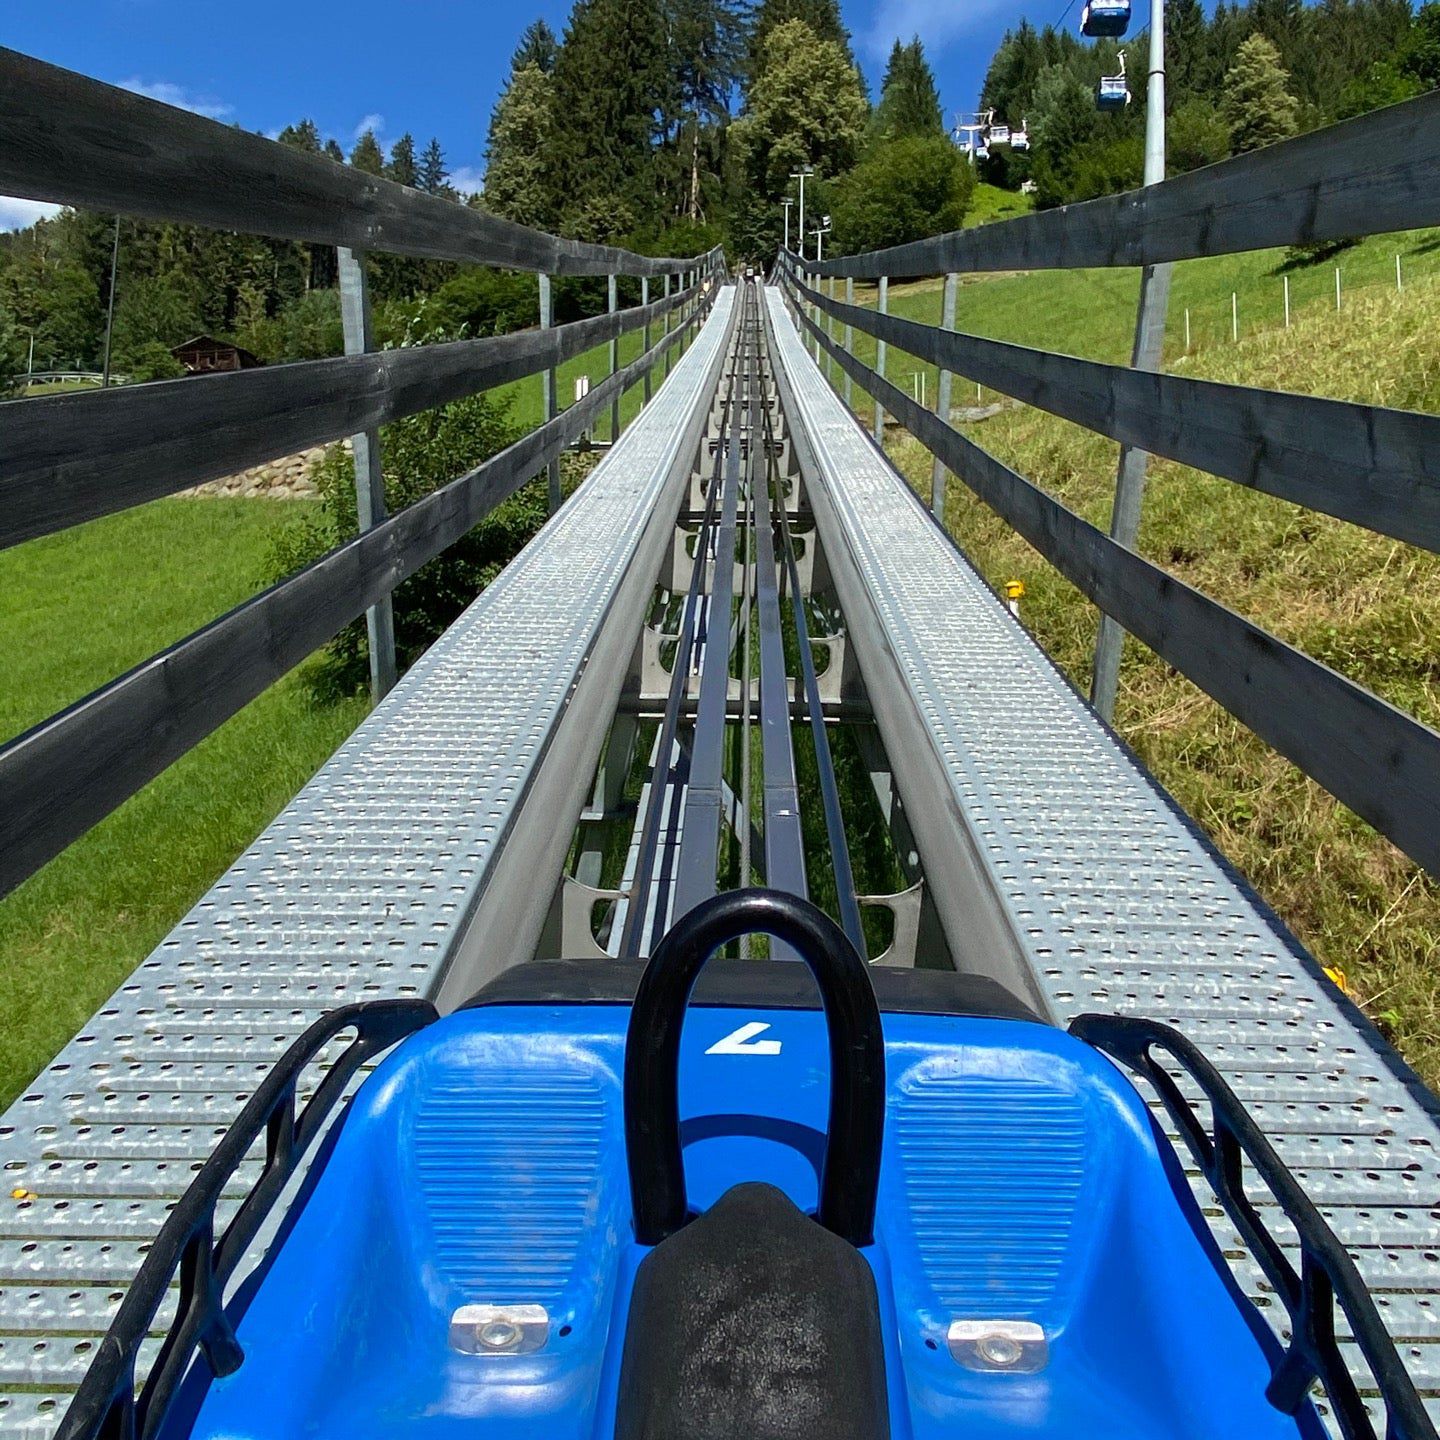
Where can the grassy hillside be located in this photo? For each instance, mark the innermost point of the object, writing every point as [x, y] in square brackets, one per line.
[1364, 604]
[80, 608]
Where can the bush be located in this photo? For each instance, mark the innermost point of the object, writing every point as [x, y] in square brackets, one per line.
[485, 302]
[903, 190]
[150, 360]
[421, 453]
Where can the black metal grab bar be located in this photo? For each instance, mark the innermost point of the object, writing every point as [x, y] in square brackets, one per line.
[1327, 1274]
[106, 1407]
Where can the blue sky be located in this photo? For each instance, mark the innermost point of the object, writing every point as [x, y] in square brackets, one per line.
[432, 67]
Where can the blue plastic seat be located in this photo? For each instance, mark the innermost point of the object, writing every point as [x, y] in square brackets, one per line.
[483, 1163]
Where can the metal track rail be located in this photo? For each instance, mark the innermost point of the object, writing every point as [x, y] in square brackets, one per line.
[704, 805]
[1112, 898]
[407, 867]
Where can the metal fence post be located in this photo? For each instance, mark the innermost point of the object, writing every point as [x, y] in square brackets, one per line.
[547, 319]
[369, 474]
[1147, 355]
[942, 399]
[645, 300]
[849, 336]
[830, 333]
[612, 300]
[666, 332]
[882, 305]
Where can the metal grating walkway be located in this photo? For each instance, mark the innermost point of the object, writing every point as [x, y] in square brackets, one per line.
[359, 889]
[1120, 904]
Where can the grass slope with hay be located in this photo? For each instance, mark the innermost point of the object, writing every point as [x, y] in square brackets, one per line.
[1364, 604]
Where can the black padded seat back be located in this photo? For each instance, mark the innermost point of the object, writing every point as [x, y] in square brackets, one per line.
[753, 1323]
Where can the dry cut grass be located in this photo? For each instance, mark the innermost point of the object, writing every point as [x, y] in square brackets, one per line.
[1366, 605]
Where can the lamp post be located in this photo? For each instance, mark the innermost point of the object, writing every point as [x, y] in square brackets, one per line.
[1146, 355]
[820, 235]
[800, 175]
[110, 307]
[787, 202]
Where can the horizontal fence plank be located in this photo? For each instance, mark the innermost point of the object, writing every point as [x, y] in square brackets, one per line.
[1381, 762]
[1363, 177]
[1373, 466]
[69, 458]
[67, 773]
[75, 141]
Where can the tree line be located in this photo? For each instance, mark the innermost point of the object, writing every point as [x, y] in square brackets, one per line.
[1246, 76]
[670, 126]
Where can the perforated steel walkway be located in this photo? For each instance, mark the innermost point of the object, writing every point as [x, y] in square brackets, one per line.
[1120, 904]
[361, 888]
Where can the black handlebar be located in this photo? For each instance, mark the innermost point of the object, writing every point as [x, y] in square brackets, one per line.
[850, 1174]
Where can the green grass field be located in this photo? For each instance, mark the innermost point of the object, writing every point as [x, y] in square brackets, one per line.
[1366, 605]
[78, 609]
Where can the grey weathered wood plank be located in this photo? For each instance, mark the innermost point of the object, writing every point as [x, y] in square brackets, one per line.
[75, 141]
[69, 458]
[1368, 464]
[1362, 177]
[70, 771]
[1381, 762]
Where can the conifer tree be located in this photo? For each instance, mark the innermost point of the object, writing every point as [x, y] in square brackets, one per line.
[609, 88]
[538, 47]
[822, 16]
[807, 107]
[367, 155]
[517, 154]
[705, 63]
[402, 160]
[431, 174]
[1258, 107]
[304, 136]
[909, 102]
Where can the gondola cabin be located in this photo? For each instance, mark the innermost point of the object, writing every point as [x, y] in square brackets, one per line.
[1112, 93]
[1105, 18]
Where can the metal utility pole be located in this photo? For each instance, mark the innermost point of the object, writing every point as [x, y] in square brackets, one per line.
[1147, 355]
[800, 175]
[369, 474]
[548, 383]
[110, 309]
[942, 399]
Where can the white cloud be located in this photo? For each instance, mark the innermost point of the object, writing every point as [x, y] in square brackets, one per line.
[468, 179]
[19, 214]
[375, 122]
[937, 22]
[178, 95]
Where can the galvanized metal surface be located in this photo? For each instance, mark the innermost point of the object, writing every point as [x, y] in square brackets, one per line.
[1120, 904]
[359, 889]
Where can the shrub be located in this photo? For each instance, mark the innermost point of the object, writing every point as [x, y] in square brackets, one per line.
[903, 190]
[421, 454]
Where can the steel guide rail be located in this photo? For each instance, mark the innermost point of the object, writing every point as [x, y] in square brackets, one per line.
[362, 888]
[1371, 755]
[1120, 903]
[666, 779]
[700, 840]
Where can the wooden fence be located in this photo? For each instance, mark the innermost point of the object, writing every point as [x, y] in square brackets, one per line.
[1366, 464]
[69, 458]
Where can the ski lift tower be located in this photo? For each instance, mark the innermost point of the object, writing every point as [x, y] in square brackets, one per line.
[972, 129]
[1149, 340]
